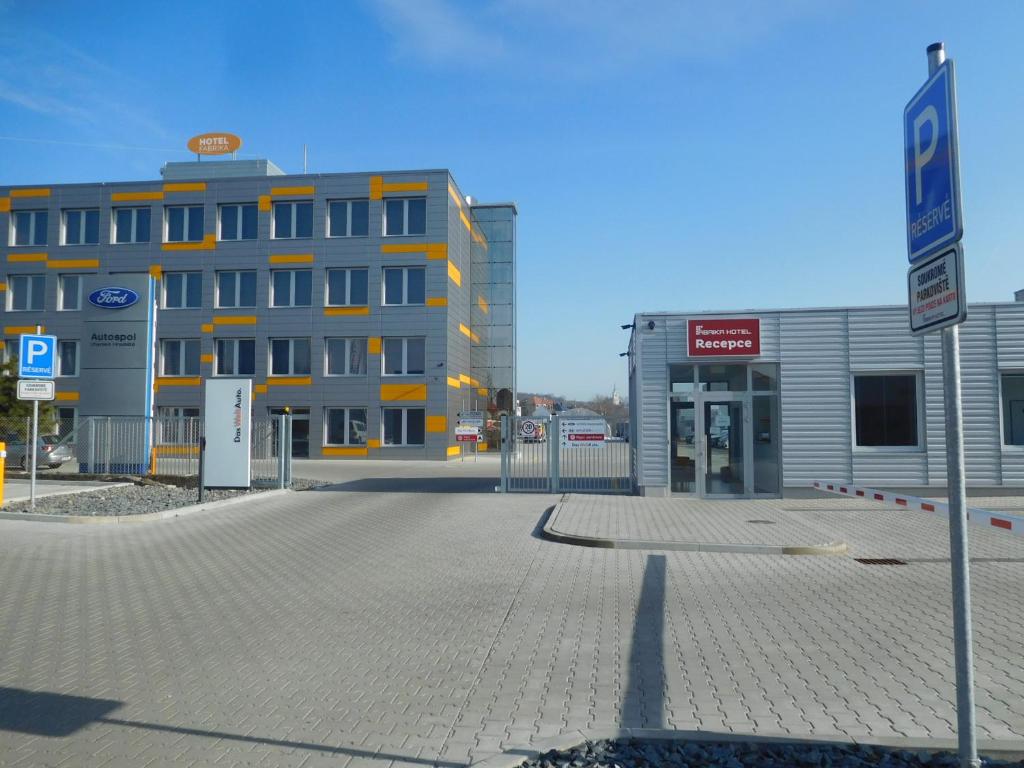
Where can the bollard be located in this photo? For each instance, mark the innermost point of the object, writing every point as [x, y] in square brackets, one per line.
[3, 460]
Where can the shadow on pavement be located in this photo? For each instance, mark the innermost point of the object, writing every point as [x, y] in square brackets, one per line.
[415, 485]
[57, 714]
[644, 703]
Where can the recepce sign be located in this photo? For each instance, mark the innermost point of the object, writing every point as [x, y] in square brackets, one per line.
[723, 338]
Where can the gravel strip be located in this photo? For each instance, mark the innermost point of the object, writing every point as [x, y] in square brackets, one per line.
[130, 500]
[637, 753]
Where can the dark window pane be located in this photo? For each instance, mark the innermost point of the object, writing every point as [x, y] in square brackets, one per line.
[68, 358]
[417, 279]
[123, 226]
[414, 425]
[194, 295]
[246, 357]
[417, 216]
[195, 224]
[336, 287]
[142, 225]
[300, 351]
[415, 355]
[303, 219]
[247, 289]
[393, 217]
[92, 227]
[336, 426]
[392, 418]
[38, 291]
[392, 286]
[249, 222]
[360, 218]
[303, 288]
[73, 227]
[42, 219]
[886, 410]
[22, 227]
[279, 356]
[192, 357]
[336, 357]
[282, 287]
[338, 216]
[226, 289]
[282, 220]
[224, 358]
[357, 357]
[393, 356]
[357, 287]
[172, 358]
[172, 290]
[229, 222]
[175, 224]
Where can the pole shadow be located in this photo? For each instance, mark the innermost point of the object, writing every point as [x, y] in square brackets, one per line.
[643, 706]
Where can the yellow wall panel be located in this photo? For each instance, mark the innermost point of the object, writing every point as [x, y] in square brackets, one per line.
[405, 392]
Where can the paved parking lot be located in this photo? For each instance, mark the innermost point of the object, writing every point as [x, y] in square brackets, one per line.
[360, 626]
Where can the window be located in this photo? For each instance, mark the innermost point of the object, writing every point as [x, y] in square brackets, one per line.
[235, 357]
[184, 224]
[346, 357]
[25, 292]
[177, 425]
[289, 357]
[344, 426]
[885, 407]
[29, 227]
[348, 218]
[131, 225]
[82, 226]
[67, 358]
[67, 421]
[293, 220]
[236, 288]
[1013, 408]
[346, 287]
[405, 216]
[404, 357]
[180, 357]
[404, 285]
[403, 426]
[238, 221]
[69, 292]
[183, 290]
[291, 287]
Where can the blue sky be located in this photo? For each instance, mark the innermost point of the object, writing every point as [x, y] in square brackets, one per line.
[664, 155]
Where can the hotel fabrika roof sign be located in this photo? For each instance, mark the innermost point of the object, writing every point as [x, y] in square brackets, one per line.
[214, 143]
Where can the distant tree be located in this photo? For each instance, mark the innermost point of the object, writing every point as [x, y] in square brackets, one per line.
[12, 410]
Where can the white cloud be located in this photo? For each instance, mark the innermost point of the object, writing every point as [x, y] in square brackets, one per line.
[436, 31]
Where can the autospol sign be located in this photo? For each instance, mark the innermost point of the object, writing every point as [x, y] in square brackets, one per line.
[113, 298]
[723, 338]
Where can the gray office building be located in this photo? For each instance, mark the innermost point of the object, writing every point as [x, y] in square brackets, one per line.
[376, 307]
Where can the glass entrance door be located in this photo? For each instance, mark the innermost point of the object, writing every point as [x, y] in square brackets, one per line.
[682, 460]
[724, 447]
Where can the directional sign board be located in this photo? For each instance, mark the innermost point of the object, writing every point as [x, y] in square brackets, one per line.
[932, 169]
[936, 295]
[582, 433]
[34, 389]
[37, 356]
[465, 434]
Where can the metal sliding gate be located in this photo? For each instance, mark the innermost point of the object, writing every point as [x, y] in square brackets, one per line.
[535, 458]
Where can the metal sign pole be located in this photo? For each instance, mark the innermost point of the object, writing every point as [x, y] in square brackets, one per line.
[963, 651]
[35, 437]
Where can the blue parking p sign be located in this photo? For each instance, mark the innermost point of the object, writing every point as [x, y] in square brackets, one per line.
[37, 356]
[932, 171]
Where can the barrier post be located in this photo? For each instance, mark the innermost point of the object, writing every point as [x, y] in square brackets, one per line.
[3, 461]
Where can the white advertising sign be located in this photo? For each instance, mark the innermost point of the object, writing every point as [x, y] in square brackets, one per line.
[35, 389]
[227, 423]
[582, 433]
[936, 292]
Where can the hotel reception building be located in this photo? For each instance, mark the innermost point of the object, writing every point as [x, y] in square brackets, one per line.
[747, 404]
[374, 306]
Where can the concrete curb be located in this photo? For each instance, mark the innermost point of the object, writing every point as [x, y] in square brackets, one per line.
[147, 517]
[515, 756]
[550, 532]
[70, 492]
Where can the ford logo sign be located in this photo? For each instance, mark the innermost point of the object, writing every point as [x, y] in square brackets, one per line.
[113, 298]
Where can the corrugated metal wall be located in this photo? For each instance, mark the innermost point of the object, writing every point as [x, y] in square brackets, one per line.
[818, 352]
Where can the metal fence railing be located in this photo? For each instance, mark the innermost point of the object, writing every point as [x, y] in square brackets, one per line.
[129, 445]
[534, 457]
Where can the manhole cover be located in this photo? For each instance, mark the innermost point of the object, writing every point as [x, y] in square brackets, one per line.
[879, 561]
[762, 522]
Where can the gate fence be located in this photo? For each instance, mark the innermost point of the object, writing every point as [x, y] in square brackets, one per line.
[535, 459]
[136, 445]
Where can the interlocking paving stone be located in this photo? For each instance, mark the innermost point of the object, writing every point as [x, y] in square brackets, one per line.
[352, 627]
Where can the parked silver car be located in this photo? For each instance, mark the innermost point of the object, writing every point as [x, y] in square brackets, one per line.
[48, 453]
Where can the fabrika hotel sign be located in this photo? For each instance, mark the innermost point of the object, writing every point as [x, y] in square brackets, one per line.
[730, 337]
[214, 143]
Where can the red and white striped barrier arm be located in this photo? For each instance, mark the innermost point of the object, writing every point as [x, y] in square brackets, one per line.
[1012, 523]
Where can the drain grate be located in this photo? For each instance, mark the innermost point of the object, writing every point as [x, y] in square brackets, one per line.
[762, 522]
[879, 561]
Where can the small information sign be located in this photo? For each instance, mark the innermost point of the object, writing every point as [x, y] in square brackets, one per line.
[35, 389]
[582, 433]
[935, 290]
[464, 434]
